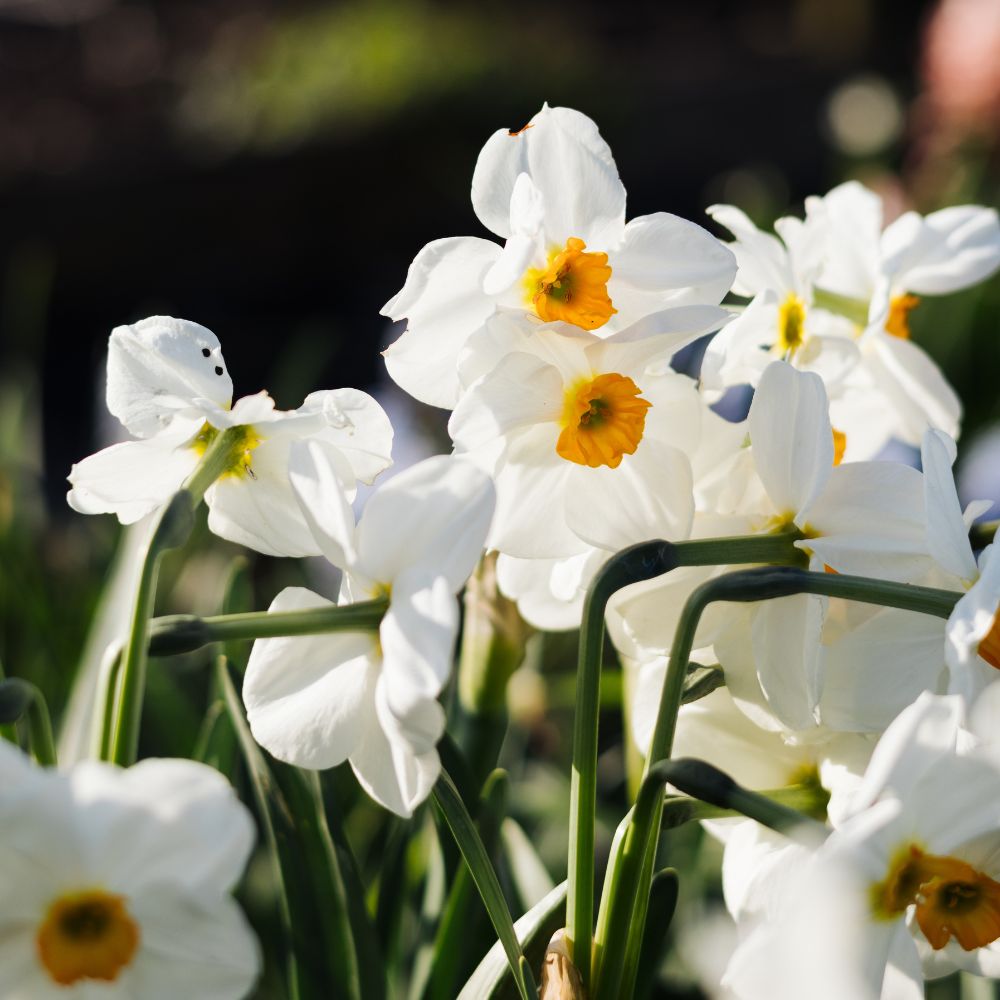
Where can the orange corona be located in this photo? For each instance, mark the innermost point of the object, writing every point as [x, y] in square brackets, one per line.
[900, 307]
[86, 935]
[952, 899]
[603, 419]
[573, 287]
[989, 647]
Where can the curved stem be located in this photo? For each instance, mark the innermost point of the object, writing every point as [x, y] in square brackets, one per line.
[172, 529]
[629, 894]
[632, 565]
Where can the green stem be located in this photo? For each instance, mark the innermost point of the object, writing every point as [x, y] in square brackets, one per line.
[21, 701]
[629, 894]
[640, 562]
[172, 529]
[174, 634]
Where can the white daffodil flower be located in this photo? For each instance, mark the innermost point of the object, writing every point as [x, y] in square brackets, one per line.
[116, 883]
[371, 699]
[168, 385]
[780, 321]
[588, 440]
[552, 191]
[918, 844]
[887, 271]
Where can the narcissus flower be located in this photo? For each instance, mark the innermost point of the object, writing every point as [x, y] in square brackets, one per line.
[588, 439]
[168, 385]
[887, 271]
[371, 698]
[781, 320]
[552, 191]
[918, 843]
[116, 883]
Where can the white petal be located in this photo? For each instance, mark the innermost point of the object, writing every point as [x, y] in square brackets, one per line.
[568, 161]
[870, 521]
[322, 499]
[181, 824]
[191, 947]
[390, 772]
[308, 698]
[853, 217]
[947, 534]
[917, 738]
[130, 479]
[258, 508]
[791, 436]
[880, 667]
[915, 387]
[443, 303]
[648, 496]
[944, 252]
[418, 640]
[786, 645]
[762, 259]
[521, 390]
[162, 367]
[431, 518]
[356, 424]
[662, 252]
[740, 351]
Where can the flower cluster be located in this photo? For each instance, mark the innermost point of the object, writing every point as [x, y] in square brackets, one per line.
[575, 438]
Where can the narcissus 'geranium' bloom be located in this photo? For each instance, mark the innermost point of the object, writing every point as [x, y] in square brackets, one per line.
[781, 320]
[887, 271]
[918, 841]
[371, 698]
[588, 439]
[168, 385]
[552, 191]
[116, 883]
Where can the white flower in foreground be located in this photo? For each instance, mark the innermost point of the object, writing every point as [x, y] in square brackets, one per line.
[588, 439]
[919, 843]
[887, 271]
[552, 191]
[168, 385]
[116, 883]
[371, 698]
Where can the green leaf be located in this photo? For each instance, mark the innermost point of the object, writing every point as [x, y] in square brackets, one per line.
[662, 903]
[530, 877]
[322, 957]
[492, 980]
[456, 816]
[461, 926]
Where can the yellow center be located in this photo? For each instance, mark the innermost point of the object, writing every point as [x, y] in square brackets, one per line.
[952, 898]
[572, 287]
[238, 463]
[603, 419]
[86, 935]
[791, 321]
[900, 307]
[989, 647]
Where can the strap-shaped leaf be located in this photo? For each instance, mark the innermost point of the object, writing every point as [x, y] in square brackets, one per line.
[322, 958]
[456, 816]
[492, 980]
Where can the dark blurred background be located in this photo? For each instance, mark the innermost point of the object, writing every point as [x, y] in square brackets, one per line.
[270, 167]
